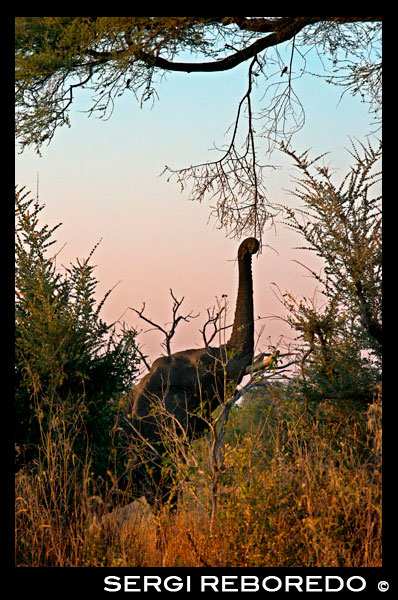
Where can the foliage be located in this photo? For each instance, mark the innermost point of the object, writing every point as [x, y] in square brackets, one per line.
[71, 366]
[341, 341]
[297, 490]
[356, 59]
[56, 57]
[115, 54]
[304, 482]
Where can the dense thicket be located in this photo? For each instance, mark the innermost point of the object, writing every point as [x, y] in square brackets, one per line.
[339, 329]
[71, 367]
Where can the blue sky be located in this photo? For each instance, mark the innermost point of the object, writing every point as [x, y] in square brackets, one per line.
[101, 180]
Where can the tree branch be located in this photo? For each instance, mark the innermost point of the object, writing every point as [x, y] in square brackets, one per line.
[282, 30]
[176, 319]
[214, 319]
[231, 61]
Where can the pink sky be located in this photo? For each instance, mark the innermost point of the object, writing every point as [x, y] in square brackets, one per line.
[101, 180]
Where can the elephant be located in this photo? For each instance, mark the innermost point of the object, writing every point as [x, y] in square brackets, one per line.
[189, 385]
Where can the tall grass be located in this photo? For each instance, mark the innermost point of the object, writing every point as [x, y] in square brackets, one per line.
[296, 492]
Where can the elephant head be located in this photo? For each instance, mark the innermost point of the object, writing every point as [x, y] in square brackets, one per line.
[191, 383]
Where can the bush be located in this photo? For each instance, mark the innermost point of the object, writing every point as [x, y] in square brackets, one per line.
[71, 367]
[340, 341]
[298, 489]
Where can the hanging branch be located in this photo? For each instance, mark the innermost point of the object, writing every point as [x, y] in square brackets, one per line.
[234, 180]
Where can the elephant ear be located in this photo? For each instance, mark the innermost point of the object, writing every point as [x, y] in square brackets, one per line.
[199, 371]
[187, 368]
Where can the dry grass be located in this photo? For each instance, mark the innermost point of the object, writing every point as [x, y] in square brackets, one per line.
[295, 492]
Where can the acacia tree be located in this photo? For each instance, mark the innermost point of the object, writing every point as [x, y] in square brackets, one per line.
[111, 56]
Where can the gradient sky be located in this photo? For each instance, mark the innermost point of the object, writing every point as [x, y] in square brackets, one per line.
[101, 180]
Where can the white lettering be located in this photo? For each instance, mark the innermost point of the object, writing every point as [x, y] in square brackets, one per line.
[249, 583]
[114, 581]
[311, 581]
[234, 583]
[293, 581]
[328, 578]
[130, 583]
[176, 586]
[272, 589]
[205, 583]
[225, 583]
[148, 583]
[356, 589]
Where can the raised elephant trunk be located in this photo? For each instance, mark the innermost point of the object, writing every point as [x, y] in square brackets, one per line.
[188, 386]
[242, 337]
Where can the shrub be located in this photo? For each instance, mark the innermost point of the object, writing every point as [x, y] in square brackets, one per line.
[71, 367]
[340, 341]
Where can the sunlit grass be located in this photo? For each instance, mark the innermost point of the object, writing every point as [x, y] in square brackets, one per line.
[294, 493]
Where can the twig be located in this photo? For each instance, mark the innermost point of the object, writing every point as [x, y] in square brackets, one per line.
[176, 319]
